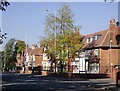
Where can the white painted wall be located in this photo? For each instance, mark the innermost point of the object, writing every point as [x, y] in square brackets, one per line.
[79, 65]
[46, 65]
[45, 57]
[33, 59]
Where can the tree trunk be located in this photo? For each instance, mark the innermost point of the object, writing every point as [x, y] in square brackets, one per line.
[61, 66]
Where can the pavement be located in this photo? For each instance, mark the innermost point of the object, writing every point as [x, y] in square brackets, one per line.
[30, 82]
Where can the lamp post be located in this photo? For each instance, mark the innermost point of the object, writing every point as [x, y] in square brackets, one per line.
[55, 40]
[55, 37]
[111, 60]
[26, 46]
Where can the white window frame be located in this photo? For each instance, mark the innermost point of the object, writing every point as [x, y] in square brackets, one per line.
[95, 52]
[87, 40]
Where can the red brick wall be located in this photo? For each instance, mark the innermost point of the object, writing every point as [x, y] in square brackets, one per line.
[38, 60]
[72, 75]
[104, 60]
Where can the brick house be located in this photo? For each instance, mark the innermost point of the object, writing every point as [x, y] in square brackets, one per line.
[99, 55]
[35, 57]
[21, 59]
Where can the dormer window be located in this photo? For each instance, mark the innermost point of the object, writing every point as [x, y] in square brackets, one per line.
[91, 39]
[97, 37]
[87, 40]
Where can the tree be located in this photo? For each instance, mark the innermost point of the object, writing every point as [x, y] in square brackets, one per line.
[61, 25]
[68, 45]
[2, 57]
[20, 45]
[109, 0]
[3, 4]
[10, 54]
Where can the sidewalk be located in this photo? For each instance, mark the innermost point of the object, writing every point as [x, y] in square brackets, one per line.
[104, 83]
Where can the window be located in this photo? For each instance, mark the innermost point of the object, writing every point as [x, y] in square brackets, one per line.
[94, 67]
[88, 54]
[29, 58]
[91, 39]
[95, 52]
[87, 40]
[97, 37]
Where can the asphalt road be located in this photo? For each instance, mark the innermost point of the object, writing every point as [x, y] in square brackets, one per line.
[15, 82]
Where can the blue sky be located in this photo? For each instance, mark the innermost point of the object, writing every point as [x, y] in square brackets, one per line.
[22, 17]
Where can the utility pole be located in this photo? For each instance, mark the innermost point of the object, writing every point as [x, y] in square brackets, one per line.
[55, 40]
[26, 63]
[55, 37]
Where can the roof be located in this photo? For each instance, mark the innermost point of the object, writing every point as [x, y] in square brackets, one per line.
[100, 42]
[37, 51]
[29, 51]
[109, 34]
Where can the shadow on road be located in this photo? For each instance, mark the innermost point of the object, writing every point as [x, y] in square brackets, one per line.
[15, 82]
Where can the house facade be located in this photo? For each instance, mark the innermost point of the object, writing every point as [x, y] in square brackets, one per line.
[33, 58]
[102, 49]
[100, 52]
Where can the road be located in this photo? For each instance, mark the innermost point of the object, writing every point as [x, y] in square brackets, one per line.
[15, 82]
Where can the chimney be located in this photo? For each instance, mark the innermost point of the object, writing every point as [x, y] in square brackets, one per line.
[77, 31]
[34, 46]
[112, 24]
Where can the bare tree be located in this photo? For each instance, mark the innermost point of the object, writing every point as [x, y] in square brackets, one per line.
[109, 0]
[3, 4]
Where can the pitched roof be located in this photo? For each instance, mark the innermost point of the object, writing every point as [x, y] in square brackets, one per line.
[99, 42]
[110, 34]
[29, 51]
[37, 51]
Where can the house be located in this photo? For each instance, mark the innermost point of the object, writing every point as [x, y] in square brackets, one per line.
[20, 60]
[78, 64]
[33, 58]
[102, 49]
[46, 63]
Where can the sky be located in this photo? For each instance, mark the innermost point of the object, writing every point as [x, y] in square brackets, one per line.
[62, 0]
[24, 20]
